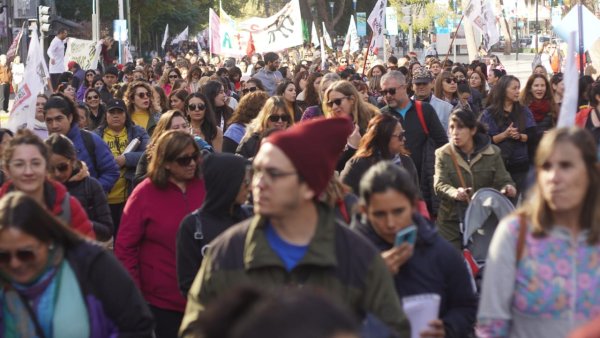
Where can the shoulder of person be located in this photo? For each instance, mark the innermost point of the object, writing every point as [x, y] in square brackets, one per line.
[227, 250]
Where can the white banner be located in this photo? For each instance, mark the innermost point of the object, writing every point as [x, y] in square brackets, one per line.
[327, 38]
[314, 36]
[376, 20]
[280, 31]
[85, 52]
[165, 37]
[35, 78]
[482, 17]
[183, 36]
[351, 44]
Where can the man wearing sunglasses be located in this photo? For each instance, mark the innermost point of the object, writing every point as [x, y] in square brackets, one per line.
[423, 89]
[269, 75]
[295, 241]
[418, 132]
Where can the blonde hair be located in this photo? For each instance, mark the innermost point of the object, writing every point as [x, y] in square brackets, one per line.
[361, 112]
[273, 104]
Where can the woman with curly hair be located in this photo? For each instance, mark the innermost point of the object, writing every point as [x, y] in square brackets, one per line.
[246, 111]
[140, 106]
[167, 80]
[193, 78]
[537, 95]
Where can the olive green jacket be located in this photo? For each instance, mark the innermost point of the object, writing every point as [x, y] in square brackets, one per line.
[339, 262]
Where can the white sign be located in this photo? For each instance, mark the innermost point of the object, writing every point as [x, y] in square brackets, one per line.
[376, 21]
[85, 52]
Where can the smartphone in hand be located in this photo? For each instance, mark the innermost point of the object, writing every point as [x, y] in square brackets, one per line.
[406, 235]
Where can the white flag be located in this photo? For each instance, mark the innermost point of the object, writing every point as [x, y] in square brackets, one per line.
[377, 21]
[351, 44]
[314, 36]
[482, 17]
[326, 37]
[165, 37]
[568, 108]
[183, 36]
[35, 78]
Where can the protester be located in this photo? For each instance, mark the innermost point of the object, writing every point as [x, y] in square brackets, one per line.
[168, 78]
[105, 94]
[429, 265]
[203, 121]
[153, 212]
[422, 84]
[96, 107]
[310, 95]
[56, 55]
[543, 261]
[558, 89]
[66, 169]
[287, 90]
[5, 136]
[273, 116]
[468, 163]
[269, 75]
[537, 96]
[25, 162]
[57, 284]
[215, 93]
[119, 131]
[39, 125]
[294, 238]
[227, 180]
[446, 88]
[61, 116]
[477, 81]
[511, 126]
[5, 82]
[246, 111]
[317, 110]
[177, 99]
[140, 106]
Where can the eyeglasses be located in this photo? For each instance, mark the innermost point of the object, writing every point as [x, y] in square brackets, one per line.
[196, 107]
[184, 161]
[450, 80]
[251, 89]
[143, 95]
[391, 91]
[400, 136]
[61, 167]
[23, 255]
[92, 97]
[277, 118]
[270, 174]
[336, 102]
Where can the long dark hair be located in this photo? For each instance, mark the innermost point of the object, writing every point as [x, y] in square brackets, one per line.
[311, 96]
[497, 100]
[376, 140]
[211, 90]
[209, 124]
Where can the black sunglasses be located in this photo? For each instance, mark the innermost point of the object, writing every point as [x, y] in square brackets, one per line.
[450, 80]
[251, 89]
[23, 255]
[195, 107]
[277, 118]
[62, 167]
[337, 102]
[391, 91]
[184, 161]
[173, 76]
[92, 97]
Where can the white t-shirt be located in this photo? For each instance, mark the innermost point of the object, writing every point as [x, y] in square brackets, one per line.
[56, 52]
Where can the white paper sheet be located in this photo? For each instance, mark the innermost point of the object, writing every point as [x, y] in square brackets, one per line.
[420, 310]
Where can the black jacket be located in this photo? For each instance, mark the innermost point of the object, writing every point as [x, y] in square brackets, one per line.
[223, 176]
[89, 192]
[248, 147]
[356, 167]
[435, 267]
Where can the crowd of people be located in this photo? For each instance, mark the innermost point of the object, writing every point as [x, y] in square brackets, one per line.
[200, 196]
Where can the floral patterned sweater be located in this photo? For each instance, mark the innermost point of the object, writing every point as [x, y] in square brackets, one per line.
[551, 290]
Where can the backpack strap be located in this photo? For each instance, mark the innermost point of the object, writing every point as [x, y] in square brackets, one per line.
[65, 212]
[521, 238]
[419, 107]
[88, 142]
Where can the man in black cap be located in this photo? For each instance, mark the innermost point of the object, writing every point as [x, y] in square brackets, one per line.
[423, 88]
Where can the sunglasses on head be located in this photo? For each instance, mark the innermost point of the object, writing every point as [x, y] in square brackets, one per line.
[336, 102]
[62, 167]
[277, 118]
[184, 161]
[92, 97]
[251, 89]
[23, 255]
[194, 107]
[143, 95]
[450, 80]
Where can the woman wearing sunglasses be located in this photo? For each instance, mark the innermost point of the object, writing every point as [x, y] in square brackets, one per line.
[57, 284]
[97, 109]
[147, 234]
[118, 131]
[202, 120]
[88, 82]
[26, 162]
[446, 88]
[73, 174]
[167, 80]
[273, 116]
[140, 105]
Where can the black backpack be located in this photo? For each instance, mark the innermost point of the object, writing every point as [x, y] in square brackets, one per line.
[88, 142]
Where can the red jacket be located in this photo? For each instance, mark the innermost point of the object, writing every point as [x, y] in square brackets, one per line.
[582, 116]
[54, 194]
[146, 241]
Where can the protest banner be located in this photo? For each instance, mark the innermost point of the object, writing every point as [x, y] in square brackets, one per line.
[214, 37]
[483, 18]
[85, 52]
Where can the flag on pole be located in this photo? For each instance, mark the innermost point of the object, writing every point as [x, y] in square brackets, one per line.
[14, 46]
[314, 36]
[323, 55]
[183, 36]
[35, 78]
[351, 43]
[326, 37]
[214, 36]
[568, 108]
[165, 37]
[250, 49]
[482, 16]
[377, 21]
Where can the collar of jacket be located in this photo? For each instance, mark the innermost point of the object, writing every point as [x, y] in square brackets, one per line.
[321, 250]
[486, 150]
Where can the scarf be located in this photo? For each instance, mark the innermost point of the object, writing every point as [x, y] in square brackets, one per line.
[539, 108]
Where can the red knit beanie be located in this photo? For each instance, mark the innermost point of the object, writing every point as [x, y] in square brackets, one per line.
[314, 147]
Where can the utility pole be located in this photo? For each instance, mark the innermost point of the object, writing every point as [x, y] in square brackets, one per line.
[95, 20]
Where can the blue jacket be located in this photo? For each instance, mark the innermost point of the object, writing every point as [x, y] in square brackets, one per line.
[131, 158]
[107, 170]
[435, 267]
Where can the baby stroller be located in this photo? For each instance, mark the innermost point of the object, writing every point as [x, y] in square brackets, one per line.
[487, 207]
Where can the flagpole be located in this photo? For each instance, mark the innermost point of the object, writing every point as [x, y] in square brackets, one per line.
[453, 37]
[580, 49]
[367, 54]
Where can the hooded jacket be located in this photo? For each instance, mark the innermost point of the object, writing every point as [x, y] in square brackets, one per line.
[435, 267]
[223, 174]
[54, 195]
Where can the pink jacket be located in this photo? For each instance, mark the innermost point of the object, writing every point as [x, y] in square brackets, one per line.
[146, 241]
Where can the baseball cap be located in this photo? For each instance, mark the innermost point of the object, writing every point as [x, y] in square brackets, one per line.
[116, 104]
[422, 75]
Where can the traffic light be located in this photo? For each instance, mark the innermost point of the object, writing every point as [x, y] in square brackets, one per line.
[44, 18]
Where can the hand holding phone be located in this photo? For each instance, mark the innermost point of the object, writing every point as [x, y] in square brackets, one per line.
[406, 235]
